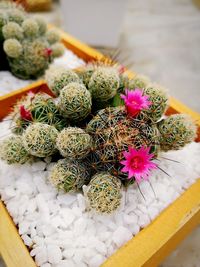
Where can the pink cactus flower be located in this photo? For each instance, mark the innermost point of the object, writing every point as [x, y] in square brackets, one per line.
[25, 114]
[135, 101]
[138, 163]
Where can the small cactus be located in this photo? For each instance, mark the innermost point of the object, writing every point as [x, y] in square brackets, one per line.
[13, 48]
[104, 193]
[12, 30]
[68, 175]
[85, 74]
[58, 77]
[44, 110]
[139, 81]
[104, 83]
[40, 139]
[159, 103]
[24, 45]
[75, 102]
[176, 131]
[74, 143]
[52, 36]
[13, 151]
[30, 28]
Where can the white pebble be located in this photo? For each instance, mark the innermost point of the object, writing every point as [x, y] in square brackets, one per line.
[54, 254]
[121, 236]
[96, 261]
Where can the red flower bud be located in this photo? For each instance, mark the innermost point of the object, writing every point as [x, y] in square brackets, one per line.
[25, 114]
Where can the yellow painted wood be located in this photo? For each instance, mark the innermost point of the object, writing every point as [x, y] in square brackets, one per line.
[12, 248]
[154, 242]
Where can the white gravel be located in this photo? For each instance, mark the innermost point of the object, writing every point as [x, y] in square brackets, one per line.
[9, 82]
[60, 230]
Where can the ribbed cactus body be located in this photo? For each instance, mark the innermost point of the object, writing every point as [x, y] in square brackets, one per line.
[104, 193]
[139, 81]
[113, 132]
[176, 131]
[69, 175]
[44, 110]
[74, 143]
[104, 83]
[58, 78]
[13, 151]
[75, 102]
[40, 139]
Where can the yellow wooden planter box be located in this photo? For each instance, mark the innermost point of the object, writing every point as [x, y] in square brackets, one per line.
[151, 245]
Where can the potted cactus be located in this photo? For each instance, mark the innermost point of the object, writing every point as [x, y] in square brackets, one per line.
[94, 149]
[26, 46]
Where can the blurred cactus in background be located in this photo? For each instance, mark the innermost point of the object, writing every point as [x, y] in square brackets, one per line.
[26, 44]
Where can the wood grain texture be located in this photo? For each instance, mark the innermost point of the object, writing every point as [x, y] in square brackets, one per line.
[154, 242]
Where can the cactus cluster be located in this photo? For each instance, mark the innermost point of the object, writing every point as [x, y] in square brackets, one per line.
[26, 44]
[89, 146]
[41, 108]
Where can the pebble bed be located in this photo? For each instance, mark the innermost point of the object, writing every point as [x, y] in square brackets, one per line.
[59, 229]
[9, 82]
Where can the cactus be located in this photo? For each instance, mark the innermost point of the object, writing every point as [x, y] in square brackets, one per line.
[13, 48]
[104, 83]
[42, 108]
[13, 151]
[113, 132]
[74, 143]
[85, 74]
[57, 49]
[52, 36]
[12, 30]
[58, 77]
[68, 175]
[104, 193]
[75, 102]
[40, 139]
[139, 81]
[159, 103]
[26, 47]
[176, 131]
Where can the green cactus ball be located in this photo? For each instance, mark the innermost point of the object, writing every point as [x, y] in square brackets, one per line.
[12, 48]
[104, 193]
[73, 142]
[40, 139]
[104, 83]
[52, 36]
[30, 27]
[57, 49]
[75, 102]
[12, 30]
[68, 175]
[176, 131]
[59, 77]
[139, 81]
[13, 151]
